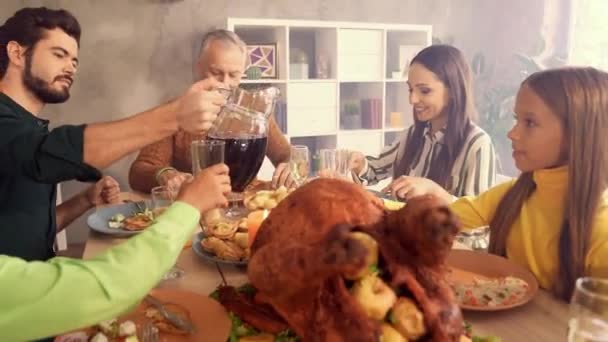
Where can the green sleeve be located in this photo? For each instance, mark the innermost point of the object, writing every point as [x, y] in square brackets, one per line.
[40, 299]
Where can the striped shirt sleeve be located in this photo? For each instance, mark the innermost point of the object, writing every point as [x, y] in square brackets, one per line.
[478, 171]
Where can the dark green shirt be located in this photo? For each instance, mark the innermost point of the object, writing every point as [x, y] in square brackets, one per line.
[32, 161]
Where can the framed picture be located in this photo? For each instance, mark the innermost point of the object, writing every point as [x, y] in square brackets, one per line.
[263, 56]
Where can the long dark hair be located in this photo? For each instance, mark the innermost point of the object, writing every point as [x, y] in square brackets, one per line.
[578, 97]
[27, 26]
[450, 67]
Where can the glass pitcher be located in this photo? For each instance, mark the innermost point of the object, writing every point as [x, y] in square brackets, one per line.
[243, 126]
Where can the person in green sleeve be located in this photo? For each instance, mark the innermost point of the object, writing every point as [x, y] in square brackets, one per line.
[39, 299]
[38, 63]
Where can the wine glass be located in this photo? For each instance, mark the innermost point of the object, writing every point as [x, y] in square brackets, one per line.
[299, 163]
[589, 311]
[162, 198]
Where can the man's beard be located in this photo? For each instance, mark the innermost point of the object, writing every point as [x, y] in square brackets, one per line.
[40, 87]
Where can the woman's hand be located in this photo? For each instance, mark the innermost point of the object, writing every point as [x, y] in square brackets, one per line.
[407, 187]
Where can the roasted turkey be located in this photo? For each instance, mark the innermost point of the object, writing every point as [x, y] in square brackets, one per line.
[312, 265]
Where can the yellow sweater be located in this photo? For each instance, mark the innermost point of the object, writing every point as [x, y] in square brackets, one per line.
[533, 240]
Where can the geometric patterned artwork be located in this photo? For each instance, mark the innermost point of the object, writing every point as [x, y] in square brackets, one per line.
[263, 56]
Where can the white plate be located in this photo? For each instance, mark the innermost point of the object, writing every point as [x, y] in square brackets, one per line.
[98, 221]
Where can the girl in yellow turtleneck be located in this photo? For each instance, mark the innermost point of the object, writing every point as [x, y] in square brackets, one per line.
[554, 218]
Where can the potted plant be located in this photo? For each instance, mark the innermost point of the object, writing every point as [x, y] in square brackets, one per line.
[351, 115]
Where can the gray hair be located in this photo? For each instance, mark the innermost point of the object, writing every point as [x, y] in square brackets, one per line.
[225, 36]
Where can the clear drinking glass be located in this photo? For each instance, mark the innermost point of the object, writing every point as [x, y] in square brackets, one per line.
[589, 311]
[333, 163]
[206, 153]
[299, 164]
[162, 198]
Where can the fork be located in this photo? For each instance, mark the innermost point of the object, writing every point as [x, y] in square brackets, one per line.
[149, 333]
[176, 320]
[141, 207]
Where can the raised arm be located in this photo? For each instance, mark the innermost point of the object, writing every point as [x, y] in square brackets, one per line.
[75, 152]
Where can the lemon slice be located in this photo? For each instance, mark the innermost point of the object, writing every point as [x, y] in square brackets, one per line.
[393, 205]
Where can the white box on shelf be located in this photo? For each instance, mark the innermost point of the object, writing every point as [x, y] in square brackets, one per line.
[360, 67]
[360, 54]
[360, 41]
[311, 108]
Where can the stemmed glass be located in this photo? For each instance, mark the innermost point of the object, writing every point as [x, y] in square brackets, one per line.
[162, 198]
[299, 164]
[589, 311]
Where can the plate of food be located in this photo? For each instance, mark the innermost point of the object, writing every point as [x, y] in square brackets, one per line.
[266, 199]
[487, 282]
[122, 220]
[218, 250]
[206, 315]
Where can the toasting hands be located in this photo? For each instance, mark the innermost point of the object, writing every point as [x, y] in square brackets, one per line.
[208, 189]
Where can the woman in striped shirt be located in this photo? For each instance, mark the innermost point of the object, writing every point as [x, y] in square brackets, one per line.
[444, 151]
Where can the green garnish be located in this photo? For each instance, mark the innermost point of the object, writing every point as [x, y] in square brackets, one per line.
[239, 328]
[286, 336]
[373, 268]
[468, 328]
[247, 289]
[391, 317]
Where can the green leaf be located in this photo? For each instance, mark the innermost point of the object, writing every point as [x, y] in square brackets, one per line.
[247, 289]
[236, 320]
[373, 268]
[468, 328]
[215, 295]
[286, 336]
[391, 317]
[246, 330]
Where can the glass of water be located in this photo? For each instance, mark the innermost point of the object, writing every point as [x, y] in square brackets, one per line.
[162, 198]
[299, 164]
[333, 163]
[589, 311]
[206, 153]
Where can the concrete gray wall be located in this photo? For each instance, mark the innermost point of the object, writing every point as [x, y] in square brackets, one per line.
[139, 53]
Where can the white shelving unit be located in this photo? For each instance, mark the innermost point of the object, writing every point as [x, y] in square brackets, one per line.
[363, 59]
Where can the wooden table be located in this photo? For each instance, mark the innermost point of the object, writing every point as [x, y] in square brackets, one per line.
[543, 319]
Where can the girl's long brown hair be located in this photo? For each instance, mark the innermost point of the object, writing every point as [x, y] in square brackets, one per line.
[579, 97]
[450, 66]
